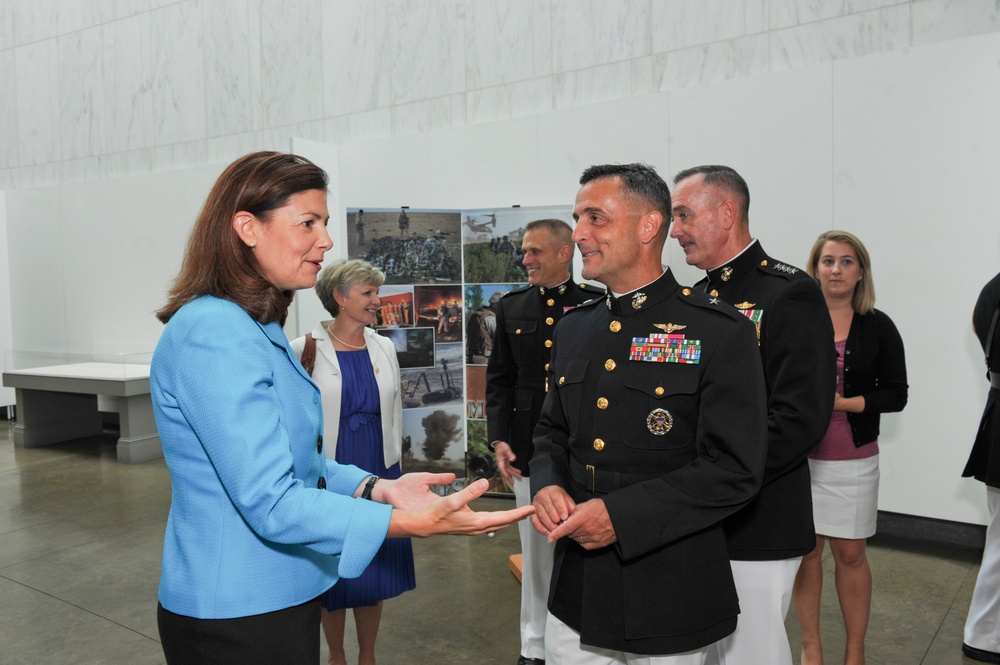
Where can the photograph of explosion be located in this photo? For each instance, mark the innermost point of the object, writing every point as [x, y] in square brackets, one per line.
[409, 246]
[433, 441]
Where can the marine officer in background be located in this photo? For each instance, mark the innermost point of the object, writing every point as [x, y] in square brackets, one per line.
[515, 388]
[652, 432]
[768, 538]
[982, 628]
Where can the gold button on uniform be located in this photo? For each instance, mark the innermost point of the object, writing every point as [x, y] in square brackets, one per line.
[562, 380]
[615, 326]
[598, 444]
[550, 302]
[546, 367]
[550, 321]
[686, 292]
[517, 332]
[659, 390]
[602, 402]
[714, 293]
[763, 263]
[548, 344]
[610, 365]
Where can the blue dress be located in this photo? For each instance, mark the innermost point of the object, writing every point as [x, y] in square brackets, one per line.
[359, 442]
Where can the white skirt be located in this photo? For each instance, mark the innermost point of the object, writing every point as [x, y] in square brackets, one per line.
[845, 497]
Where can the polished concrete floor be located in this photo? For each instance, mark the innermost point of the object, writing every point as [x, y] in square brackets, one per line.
[80, 539]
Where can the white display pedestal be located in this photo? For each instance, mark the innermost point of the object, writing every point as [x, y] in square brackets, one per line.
[59, 403]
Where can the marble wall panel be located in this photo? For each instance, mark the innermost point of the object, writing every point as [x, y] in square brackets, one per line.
[938, 20]
[510, 101]
[291, 50]
[787, 13]
[356, 56]
[701, 65]
[129, 85]
[232, 67]
[6, 26]
[833, 39]
[427, 50]
[178, 74]
[427, 115]
[592, 85]
[507, 41]
[8, 112]
[680, 24]
[36, 76]
[757, 16]
[586, 33]
[358, 127]
[894, 28]
[82, 80]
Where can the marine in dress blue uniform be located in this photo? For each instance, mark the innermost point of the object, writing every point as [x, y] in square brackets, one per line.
[982, 630]
[651, 434]
[768, 538]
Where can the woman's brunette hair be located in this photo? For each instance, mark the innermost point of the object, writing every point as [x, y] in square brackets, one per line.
[217, 262]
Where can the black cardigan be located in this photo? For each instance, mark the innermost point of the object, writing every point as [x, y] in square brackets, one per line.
[875, 368]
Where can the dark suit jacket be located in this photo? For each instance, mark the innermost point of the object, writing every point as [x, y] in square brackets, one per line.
[799, 359]
[671, 448]
[984, 462]
[515, 374]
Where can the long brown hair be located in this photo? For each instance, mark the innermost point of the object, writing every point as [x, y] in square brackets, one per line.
[217, 262]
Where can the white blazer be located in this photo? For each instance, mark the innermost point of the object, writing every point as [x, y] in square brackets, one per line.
[327, 375]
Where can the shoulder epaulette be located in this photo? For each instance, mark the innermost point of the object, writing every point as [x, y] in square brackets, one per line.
[703, 300]
[777, 268]
[590, 288]
[520, 289]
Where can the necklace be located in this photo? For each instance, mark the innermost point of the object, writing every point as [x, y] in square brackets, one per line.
[330, 329]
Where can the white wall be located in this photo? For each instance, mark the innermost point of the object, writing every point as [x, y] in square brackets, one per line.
[899, 147]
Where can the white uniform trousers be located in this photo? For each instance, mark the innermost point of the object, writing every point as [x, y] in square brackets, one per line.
[536, 571]
[562, 647]
[982, 627]
[765, 592]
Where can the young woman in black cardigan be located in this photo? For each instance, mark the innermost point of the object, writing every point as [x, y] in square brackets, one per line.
[871, 369]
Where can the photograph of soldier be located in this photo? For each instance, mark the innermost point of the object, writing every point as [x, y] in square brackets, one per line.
[441, 383]
[478, 458]
[359, 228]
[440, 307]
[491, 241]
[424, 247]
[414, 346]
[397, 307]
[436, 441]
[480, 319]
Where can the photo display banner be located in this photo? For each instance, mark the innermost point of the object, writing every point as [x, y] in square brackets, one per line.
[444, 270]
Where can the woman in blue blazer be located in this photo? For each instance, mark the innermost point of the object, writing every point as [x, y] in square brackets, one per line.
[260, 522]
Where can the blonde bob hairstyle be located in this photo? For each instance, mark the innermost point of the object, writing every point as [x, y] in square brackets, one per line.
[864, 292]
[340, 276]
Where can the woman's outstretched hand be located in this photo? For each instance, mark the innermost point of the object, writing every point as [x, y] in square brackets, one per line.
[451, 515]
[411, 491]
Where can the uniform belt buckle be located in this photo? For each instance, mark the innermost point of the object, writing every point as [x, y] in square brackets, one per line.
[591, 485]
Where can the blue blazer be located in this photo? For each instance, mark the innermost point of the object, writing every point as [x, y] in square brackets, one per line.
[249, 530]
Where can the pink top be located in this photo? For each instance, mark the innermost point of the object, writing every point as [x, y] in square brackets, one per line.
[838, 444]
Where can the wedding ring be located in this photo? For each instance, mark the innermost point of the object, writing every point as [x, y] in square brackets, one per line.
[490, 534]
